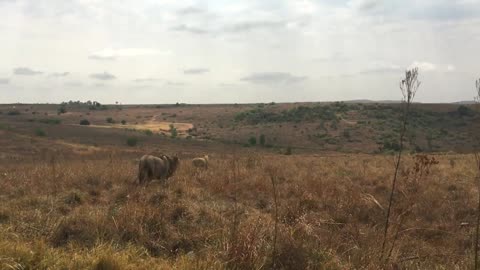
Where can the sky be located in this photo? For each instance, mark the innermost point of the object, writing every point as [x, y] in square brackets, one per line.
[219, 51]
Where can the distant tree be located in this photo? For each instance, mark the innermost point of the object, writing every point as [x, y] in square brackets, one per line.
[132, 141]
[173, 131]
[13, 113]
[40, 132]
[84, 122]
[124, 122]
[262, 140]
[465, 111]
[62, 109]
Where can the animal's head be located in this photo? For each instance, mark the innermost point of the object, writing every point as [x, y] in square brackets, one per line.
[174, 163]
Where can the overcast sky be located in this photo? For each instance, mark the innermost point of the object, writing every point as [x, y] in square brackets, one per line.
[219, 51]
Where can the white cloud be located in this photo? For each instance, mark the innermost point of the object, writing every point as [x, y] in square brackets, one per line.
[365, 5]
[451, 68]
[196, 71]
[25, 71]
[423, 66]
[105, 76]
[112, 54]
[273, 78]
[303, 6]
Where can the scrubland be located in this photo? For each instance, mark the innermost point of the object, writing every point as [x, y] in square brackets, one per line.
[86, 212]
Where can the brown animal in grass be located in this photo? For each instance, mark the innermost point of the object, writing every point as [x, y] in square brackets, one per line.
[161, 168]
[200, 162]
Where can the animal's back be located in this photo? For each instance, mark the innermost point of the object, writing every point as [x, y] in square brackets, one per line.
[147, 167]
[200, 162]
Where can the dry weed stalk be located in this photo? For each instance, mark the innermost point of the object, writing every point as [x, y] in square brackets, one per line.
[409, 87]
[275, 232]
[477, 163]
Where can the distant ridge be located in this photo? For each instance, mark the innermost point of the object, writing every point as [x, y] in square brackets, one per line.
[466, 102]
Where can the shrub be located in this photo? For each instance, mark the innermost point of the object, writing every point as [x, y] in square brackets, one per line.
[62, 109]
[465, 111]
[50, 121]
[173, 131]
[262, 140]
[84, 122]
[124, 122]
[148, 132]
[40, 132]
[288, 151]
[391, 145]
[252, 141]
[12, 113]
[110, 120]
[132, 141]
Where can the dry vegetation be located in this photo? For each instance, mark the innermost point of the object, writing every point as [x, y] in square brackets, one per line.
[83, 212]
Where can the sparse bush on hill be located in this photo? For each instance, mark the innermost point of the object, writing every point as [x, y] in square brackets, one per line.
[465, 111]
[84, 122]
[132, 141]
[297, 114]
[148, 132]
[13, 113]
[124, 122]
[262, 139]
[50, 121]
[62, 109]
[252, 141]
[110, 120]
[40, 132]
[173, 131]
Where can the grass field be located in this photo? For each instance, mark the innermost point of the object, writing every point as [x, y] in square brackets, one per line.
[68, 200]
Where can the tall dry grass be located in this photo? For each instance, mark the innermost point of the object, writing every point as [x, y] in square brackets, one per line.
[330, 213]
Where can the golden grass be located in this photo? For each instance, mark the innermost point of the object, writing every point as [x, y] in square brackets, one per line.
[76, 214]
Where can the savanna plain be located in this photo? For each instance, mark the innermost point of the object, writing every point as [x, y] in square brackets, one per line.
[288, 186]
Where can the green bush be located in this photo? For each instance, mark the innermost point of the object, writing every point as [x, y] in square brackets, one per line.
[262, 140]
[110, 120]
[124, 122]
[62, 109]
[132, 141]
[148, 132]
[84, 122]
[12, 113]
[40, 132]
[173, 131]
[465, 111]
[252, 141]
[50, 121]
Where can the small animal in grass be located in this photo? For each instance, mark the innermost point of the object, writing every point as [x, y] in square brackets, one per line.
[200, 162]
